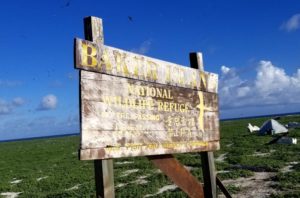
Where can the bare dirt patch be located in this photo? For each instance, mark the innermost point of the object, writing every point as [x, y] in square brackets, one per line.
[74, 187]
[189, 168]
[162, 189]
[139, 180]
[124, 162]
[128, 172]
[229, 145]
[288, 167]
[258, 186]
[41, 178]
[221, 157]
[259, 154]
[10, 194]
[16, 181]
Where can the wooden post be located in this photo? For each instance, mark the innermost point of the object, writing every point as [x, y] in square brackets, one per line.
[207, 158]
[104, 178]
[178, 174]
[104, 175]
[209, 174]
[223, 189]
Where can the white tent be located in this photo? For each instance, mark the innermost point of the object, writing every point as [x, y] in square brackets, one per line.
[272, 127]
[252, 129]
[287, 140]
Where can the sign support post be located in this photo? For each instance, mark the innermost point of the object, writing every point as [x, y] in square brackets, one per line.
[104, 175]
[209, 174]
[207, 158]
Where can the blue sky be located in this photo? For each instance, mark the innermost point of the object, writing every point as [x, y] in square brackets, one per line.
[254, 46]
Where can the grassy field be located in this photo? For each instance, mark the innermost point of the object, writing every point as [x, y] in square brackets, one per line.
[50, 167]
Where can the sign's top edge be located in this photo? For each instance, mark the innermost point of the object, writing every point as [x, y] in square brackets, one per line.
[117, 62]
[152, 58]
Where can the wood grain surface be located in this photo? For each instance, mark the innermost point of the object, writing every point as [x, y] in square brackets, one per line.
[124, 117]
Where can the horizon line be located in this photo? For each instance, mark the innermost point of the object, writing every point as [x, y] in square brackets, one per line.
[74, 134]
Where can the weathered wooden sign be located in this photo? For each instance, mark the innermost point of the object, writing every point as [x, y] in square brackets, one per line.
[133, 105]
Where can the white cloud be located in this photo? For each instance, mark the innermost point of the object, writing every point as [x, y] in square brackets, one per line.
[271, 79]
[18, 101]
[243, 91]
[7, 107]
[143, 48]
[272, 86]
[292, 23]
[225, 70]
[48, 102]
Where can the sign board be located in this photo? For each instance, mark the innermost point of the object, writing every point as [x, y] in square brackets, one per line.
[133, 105]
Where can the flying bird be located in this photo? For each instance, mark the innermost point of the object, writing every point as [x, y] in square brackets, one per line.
[67, 4]
[130, 18]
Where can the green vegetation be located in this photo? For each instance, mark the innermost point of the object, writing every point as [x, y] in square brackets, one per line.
[50, 167]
